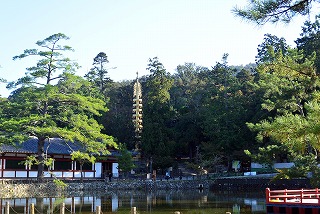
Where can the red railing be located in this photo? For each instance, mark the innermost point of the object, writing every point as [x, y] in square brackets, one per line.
[302, 196]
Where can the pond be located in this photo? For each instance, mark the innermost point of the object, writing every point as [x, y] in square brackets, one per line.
[186, 202]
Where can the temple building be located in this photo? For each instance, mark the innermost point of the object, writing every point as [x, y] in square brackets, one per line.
[63, 167]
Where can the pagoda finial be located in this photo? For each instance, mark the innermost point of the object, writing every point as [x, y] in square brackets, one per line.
[137, 74]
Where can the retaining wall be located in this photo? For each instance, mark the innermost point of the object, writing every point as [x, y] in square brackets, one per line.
[49, 189]
[258, 183]
[11, 189]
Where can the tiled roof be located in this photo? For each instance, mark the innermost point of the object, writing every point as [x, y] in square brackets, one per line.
[53, 146]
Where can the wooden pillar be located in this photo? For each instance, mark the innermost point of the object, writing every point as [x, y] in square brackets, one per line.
[301, 210]
[315, 211]
[276, 209]
[62, 208]
[133, 210]
[1, 169]
[32, 208]
[288, 210]
[7, 208]
[98, 210]
[0, 205]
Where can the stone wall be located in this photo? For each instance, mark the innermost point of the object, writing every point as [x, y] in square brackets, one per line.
[11, 189]
[258, 183]
[49, 189]
[163, 185]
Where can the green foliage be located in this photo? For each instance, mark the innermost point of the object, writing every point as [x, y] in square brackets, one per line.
[98, 74]
[309, 41]
[159, 83]
[118, 119]
[315, 179]
[273, 11]
[45, 110]
[186, 99]
[60, 184]
[266, 155]
[158, 115]
[211, 164]
[51, 62]
[225, 107]
[82, 157]
[289, 84]
[195, 167]
[304, 164]
[125, 159]
[271, 46]
[298, 133]
[33, 160]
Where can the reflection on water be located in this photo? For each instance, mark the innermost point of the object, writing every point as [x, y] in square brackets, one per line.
[156, 202]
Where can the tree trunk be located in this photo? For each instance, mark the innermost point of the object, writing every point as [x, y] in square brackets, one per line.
[40, 175]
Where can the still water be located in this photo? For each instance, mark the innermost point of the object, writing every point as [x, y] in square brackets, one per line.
[187, 202]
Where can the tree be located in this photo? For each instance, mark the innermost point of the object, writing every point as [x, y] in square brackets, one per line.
[287, 82]
[82, 158]
[224, 111]
[52, 61]
[118, 120]
[309, 41]
[290, 87]
[43, 110]
[158, 115]
[98, 74]
[271, 45]
[125, 159]
[186, 98]
[273, 11]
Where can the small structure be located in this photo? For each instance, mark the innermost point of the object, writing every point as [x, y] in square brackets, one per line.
[293, 201]
[11, 158]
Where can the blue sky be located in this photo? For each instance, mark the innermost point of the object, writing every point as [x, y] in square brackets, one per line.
[132, 31]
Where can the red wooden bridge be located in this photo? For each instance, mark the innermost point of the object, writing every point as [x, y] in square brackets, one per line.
[303, 201]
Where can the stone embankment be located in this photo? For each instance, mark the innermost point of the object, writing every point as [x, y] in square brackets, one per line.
[15, 189]
[258, 183]
[159, 185]
[11, 189]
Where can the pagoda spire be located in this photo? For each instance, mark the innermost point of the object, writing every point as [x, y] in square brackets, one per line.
[137, 112]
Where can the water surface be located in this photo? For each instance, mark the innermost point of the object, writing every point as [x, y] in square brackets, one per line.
[187, 202]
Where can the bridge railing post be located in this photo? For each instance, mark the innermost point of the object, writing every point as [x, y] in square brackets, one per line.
[267, 195]
[301, 196]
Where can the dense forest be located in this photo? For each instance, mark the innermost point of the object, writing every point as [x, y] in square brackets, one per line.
[266, 111]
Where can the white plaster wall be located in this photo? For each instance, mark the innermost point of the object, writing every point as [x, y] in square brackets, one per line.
[77, 174]
[89, 174]
[256, 165]
[115, 203]
[58, 174]
[275, 165]
[47, 175]
[33, 174]
[97, 202]
[21, 174]
[283, 165]
[98, 167]
[115, 171]
[67, 174]
[8, 174]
